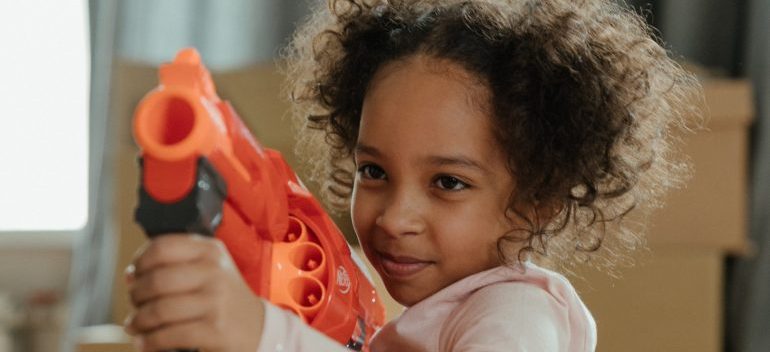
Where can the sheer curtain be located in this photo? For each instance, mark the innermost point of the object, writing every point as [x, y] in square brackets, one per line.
[229, 34]
[92, 264]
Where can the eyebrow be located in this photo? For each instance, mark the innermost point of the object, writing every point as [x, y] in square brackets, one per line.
[365, 149]
[456, 161]
[436, 160]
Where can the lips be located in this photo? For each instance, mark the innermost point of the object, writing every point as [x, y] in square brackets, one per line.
[401, 267]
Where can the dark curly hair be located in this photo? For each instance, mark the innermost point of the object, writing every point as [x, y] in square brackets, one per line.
[583, 98]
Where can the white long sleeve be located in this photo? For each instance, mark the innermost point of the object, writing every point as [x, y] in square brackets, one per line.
[285, 332]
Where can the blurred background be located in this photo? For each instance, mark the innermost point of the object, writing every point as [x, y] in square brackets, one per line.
[72, 71]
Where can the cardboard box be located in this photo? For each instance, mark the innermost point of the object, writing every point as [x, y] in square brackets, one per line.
[671, 300]
[712, 210]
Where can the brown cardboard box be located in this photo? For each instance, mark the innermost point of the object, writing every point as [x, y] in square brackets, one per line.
[711, 210]
[130, 84]
[670, 301]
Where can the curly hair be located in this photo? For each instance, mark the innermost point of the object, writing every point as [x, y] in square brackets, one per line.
[584, 102]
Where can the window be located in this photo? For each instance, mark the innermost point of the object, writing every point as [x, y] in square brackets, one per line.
[44, 115]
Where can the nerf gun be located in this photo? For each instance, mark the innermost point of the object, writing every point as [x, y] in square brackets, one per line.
[203, 172]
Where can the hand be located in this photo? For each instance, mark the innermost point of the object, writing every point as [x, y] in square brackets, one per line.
[187, 293]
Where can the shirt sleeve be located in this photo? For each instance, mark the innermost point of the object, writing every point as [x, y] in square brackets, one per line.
[511, 316]
[283, 331]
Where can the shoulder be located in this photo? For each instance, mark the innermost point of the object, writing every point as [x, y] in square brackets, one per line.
[513, 297]
[542, 314]
[515, 290]
[504, 310]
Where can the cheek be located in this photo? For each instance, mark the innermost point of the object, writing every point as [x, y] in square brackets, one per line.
[476, 226]
[361, 214]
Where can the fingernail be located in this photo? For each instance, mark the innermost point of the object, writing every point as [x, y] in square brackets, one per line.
[138, 343]
[127, 324]
[129, 273]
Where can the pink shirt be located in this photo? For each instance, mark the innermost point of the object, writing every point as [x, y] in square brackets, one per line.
[501, 309]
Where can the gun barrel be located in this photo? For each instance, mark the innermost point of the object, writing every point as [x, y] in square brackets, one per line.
[172, 124]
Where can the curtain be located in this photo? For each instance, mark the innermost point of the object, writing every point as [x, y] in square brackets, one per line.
[92, 254]
[749, 292]
[228, 34]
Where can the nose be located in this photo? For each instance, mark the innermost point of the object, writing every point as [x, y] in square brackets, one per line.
[402, 215]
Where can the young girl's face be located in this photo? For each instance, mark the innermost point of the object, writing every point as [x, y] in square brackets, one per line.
[432, 186]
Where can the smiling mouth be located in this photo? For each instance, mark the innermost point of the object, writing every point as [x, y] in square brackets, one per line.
[401, 267]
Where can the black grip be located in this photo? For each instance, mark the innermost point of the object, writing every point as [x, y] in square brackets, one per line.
[200, 211]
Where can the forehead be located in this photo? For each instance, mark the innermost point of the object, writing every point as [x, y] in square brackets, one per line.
[427, 106]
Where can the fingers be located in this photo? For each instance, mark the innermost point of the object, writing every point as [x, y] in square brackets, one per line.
[170, 280]
[180, 286]
[166, 311]
[174, 249]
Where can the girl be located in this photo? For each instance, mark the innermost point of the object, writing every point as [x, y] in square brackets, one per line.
[477, 142]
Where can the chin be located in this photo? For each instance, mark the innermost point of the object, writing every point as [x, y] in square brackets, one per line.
[406, 297]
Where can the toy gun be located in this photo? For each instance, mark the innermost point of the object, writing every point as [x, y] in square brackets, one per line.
[203, 172]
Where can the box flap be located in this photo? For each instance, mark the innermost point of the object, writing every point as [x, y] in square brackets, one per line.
[730, 103]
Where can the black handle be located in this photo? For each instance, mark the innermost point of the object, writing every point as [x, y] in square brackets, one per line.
[199, 212]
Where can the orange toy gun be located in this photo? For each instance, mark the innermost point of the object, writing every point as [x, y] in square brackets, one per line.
[203, 172]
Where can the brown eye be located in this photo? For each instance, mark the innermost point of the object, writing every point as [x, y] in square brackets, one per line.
[372, 172]
[450, 183]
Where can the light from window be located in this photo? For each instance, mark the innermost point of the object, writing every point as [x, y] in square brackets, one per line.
[44, 97]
